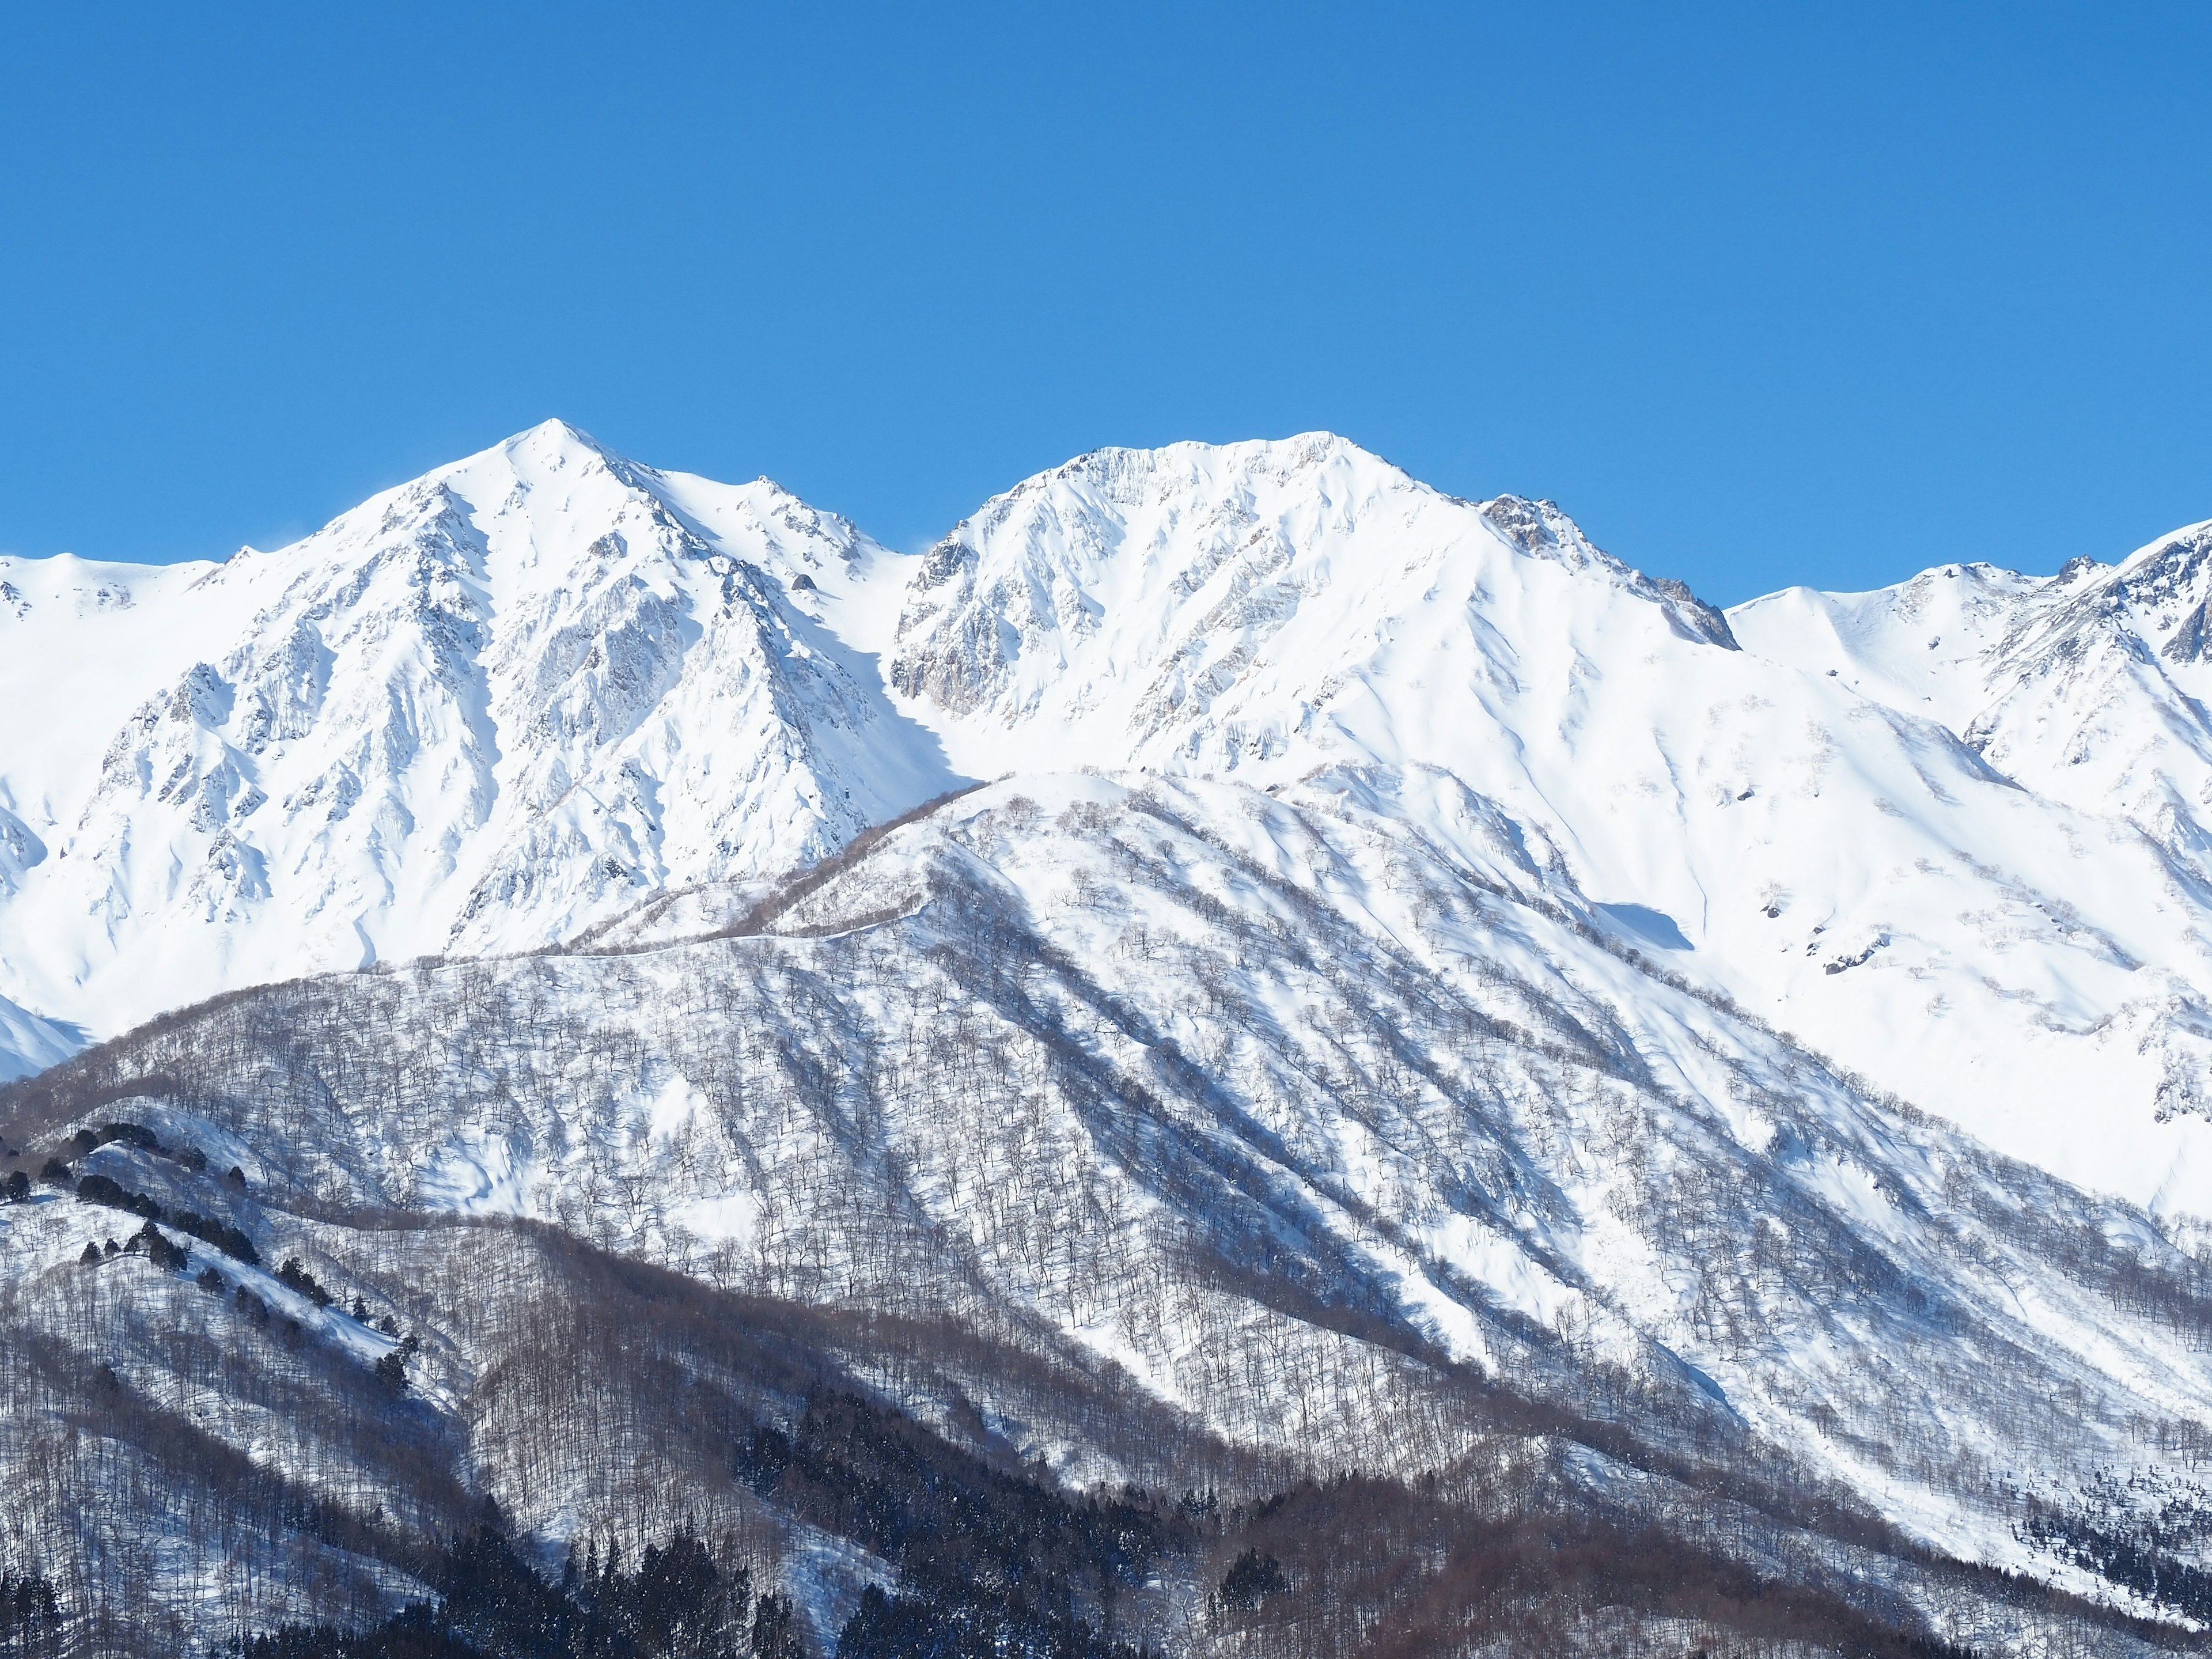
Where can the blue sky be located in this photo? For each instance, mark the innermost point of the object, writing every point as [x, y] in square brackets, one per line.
[1760, 294]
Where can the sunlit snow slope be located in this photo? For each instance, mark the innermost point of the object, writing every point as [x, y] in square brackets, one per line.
[2088, 687]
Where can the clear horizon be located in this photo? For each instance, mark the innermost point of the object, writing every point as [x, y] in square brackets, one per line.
[1759, 299]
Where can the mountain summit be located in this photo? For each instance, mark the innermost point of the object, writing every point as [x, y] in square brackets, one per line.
[479, 712]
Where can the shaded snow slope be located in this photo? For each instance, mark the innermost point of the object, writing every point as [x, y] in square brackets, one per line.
[28, 1044]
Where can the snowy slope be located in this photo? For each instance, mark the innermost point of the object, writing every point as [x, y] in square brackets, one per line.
[29, 1044]
[476, 712]
[2089, 687]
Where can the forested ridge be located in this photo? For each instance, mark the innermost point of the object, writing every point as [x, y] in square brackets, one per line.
[950, 1259]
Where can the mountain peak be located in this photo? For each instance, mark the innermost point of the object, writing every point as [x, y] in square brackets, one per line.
[2186, 542]
[1542, 529]
[556, 436]
[1121, 475]
[552, 448]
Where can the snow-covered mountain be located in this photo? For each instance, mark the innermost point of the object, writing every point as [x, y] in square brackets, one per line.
[1310, 956]
[477, 712]
[2032, 965]
[1317, 1118]
[491, 708]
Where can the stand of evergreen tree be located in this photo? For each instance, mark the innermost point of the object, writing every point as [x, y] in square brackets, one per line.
[677, 1603]
[31, 1622]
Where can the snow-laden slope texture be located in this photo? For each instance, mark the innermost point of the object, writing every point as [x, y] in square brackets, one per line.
[29, 1044]
[477, 711]
[2089, 687]
[1330, 1122]
[2027, 963]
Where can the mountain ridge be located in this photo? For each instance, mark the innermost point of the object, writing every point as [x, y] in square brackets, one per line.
[614, 682]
